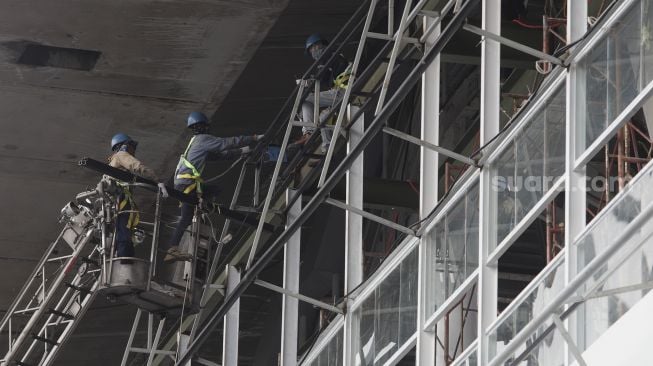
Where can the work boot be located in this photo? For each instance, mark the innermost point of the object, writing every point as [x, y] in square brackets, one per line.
[175, 255]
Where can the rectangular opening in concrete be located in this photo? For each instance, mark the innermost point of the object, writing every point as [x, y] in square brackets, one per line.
[66, 58]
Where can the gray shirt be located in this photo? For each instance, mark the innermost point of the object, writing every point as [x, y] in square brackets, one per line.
[207, 147]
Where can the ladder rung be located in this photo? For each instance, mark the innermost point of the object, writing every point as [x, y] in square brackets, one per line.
[61, 314]
[21, 363]
[77, 288]
[44, 340]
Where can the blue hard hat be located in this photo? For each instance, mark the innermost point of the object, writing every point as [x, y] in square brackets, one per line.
[119, 139]
[195, 118]
[313, 39]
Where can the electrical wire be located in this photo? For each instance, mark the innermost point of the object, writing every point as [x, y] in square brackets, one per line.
[231, 167]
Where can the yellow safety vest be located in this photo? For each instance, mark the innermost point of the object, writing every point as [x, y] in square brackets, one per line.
[134, 216]
[196, 176]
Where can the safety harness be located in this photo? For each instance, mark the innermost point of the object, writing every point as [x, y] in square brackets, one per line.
[196, 176]
[134, 216]
[342, 79]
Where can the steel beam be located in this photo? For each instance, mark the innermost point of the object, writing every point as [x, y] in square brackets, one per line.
[290, 305]
[370, 216]
[441, 150]
[575, 199]
[428, 192]
[490, 112]
[512, 44]
[298, 296]
[372, 130]
[353, 232]
[231, 322]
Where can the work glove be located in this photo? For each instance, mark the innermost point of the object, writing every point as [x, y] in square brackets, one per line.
[163, 190]
[258, 137]
[245, 150]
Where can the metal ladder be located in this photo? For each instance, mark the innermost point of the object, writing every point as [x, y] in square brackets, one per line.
[50, 322]
[390, 56]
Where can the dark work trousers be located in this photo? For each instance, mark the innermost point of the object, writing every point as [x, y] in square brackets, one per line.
[187, 211]
[124, 245]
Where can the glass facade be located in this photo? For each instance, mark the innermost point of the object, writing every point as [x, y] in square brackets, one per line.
[609, 69]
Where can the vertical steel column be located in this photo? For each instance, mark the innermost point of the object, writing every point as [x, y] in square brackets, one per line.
[575, 144]
[230, 333]
[290, 306]
[490, 111]
[353, 233]
[428, 194]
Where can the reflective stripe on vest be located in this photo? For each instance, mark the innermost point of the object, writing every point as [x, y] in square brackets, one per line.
[196, 176]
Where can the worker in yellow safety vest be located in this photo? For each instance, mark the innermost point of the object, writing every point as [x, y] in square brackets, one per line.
[188, 175]
[124, 148]
[333, 82]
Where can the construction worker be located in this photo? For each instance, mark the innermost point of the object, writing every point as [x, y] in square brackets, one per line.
[124, 148]
[188, 175]
[333, 82]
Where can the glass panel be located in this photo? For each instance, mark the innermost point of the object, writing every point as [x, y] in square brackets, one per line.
[527, 169]
[617, 286]
[388, 317]
[331, 354]
[537, 298]
[547, 351]
[452, 249]
[616, 70]
[610, 224]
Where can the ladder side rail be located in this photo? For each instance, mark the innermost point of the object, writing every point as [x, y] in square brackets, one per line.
[30, 281]
[67, 299]
[38, 313]
[63, 338]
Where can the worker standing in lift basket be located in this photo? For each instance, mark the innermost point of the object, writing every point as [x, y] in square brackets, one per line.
[124, 148]
[188, 175]
[333, 82]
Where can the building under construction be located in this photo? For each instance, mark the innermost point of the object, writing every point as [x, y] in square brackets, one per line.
[471, 190]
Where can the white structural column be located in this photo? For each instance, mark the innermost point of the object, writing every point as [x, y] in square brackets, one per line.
[290, 305]
[575, 142]
[490, 91]
[428, 191]
[231, 325]
[353, 234]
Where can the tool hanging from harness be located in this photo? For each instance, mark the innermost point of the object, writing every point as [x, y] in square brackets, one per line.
[134, 216]
[196, 175]
[342, 79]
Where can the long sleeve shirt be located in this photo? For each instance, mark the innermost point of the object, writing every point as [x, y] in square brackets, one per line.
[127, 162]
[204, 147]
[335, 68]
